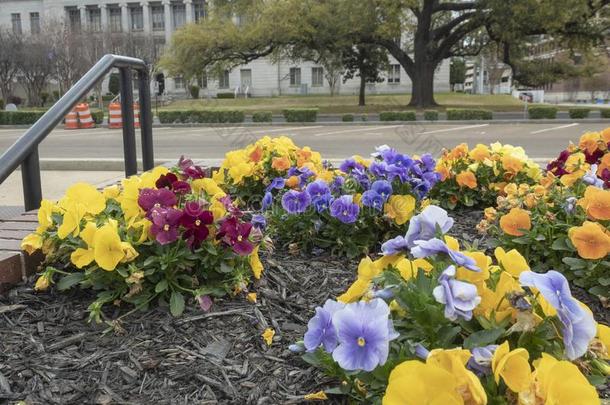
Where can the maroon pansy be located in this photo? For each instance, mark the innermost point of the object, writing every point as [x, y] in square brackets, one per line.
[166, 180]
[150, 198]
[235, 234]
[165, 223]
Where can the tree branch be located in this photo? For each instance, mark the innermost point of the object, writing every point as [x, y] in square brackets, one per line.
[456, 35]
[471, 5]
[444, 30]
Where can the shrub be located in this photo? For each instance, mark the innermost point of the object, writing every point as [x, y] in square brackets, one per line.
[347, 118]
[1, 104]
[98, 116]
[114, 85]
[19, 117]
[364, 117]
[194, 90]
[201, 116]
[55, 95]
[169, 263]
[458, 114]
[108, 97]
[44, 97]
[579, 113]
[262, 116]
[604, 112]
[225, 95]
[14, 100]
[397, 116]
[301, 115]
[431, 115]
[542, 112]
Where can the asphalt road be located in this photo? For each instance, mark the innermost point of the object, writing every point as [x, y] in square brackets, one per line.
[541, 141]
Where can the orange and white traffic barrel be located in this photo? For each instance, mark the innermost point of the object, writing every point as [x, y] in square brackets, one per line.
[85, 119]
[136, 115]
[71, 120]
[115, 119]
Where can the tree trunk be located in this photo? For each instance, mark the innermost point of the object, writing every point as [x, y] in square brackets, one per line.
[361, 101]
[422, 89]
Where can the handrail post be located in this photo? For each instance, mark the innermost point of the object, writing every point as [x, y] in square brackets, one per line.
[129, 133]
[148, 160]
[30, 178]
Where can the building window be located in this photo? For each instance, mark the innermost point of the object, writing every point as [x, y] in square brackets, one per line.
[95, 19]
[158, 19]
[317, 76]
[223, 80]
[394, 74]
[179, 15]
[159, 44]
[16, 20]
[115, 19]
[199, 10]
[179, 83]
[202, 81]
[35, 23]
[295, 76]
[74, 19]
[136, 18]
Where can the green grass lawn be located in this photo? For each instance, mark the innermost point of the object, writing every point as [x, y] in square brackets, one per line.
[349, 104]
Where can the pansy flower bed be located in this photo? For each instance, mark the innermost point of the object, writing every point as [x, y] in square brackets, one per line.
[164, 236]
[475, 177]
[170, 261]
[348, 210]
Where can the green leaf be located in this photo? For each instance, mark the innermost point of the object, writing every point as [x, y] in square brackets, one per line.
[560, 244]
[574, 262]
[70, 280]
[483, 338]
[161, 286]
[605, 281]
[176, 303]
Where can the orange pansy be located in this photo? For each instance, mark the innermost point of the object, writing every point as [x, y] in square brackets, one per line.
[459, 151]
[589, 141]
[292, 181]
[280, 163]
[466, 179]
[443, 171]
[591, 240]
[515, 222]
[604, 164]
[480, 153]
[597, 203]
[512, 164]
[606, 135]
[256, 154]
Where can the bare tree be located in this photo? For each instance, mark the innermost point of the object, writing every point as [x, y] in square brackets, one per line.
[36, 66]
[10, 53]
[67, 51]
[494, 66]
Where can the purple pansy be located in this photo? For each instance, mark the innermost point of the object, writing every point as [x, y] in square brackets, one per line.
[591, 178]
[317, 189]
[150, 198]
[296, 202]
[373, 199]
[395, 246]
[423, 226]
[383, 188]
[480, 361]
[459, 297]
[259, 221]
[350, 164]
[344, 209]
[425, 248]
[321, 204]
[364, 332]
[320, 329]
[236, 234]
[165, 223]
[267, 200]
[278, 183]
[579, 327]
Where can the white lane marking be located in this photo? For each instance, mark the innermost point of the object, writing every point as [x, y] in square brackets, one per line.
[436, 131]
[357, 130]
[262, 131]
[554, 128]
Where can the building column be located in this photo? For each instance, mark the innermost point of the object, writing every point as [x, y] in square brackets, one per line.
[188, 5]
[146, 16]
[84, 24]
[124, 17]
[167, 14]
[103, 16]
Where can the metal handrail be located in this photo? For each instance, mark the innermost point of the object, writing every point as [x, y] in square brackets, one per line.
[24, 151]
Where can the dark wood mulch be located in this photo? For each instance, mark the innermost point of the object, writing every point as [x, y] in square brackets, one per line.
[50, 355]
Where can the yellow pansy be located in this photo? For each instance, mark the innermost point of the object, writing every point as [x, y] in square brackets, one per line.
[452, 242]
[494, 304]
[251, 297]
[454, 361]
[31, 243]
[108, 250]
[558, 383]
[268, 335]
[217, 207]
[71, 220]
[45, 212]
[483, 262]
[239, 171]
[111, 192]
[603, 334]
[255, 263]
[129, 253]
[367, 270]
[219, 176]
[511, 261]
[148, 179]
[89, 197]
[207, 185]
[82, 257]
[43, 282]
[512, 366]
[400, 208]
[316, 396]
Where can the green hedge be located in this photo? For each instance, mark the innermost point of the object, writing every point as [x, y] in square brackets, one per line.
[301, 115]
[19, 117]
[605, 112]
[579, 113]
[262, 116]
[431, 115]
[225, 95]
[201, 116]
[459, 114]
[98, 116]
[536, 113]
[1, 104]
[397, 116]
[347, 118]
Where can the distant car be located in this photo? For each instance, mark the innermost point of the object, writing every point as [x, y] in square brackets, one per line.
[529, 97]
